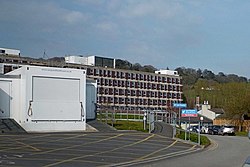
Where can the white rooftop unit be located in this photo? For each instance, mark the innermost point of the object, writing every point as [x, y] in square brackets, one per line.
[45, 99]
[167, 72]
[93, 60]
[10, 51]
[76, 60]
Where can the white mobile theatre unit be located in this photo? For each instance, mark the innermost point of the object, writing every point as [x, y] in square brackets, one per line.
[45, 99]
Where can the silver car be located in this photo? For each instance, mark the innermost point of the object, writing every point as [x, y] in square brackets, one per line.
[247, 162]
[227, 129]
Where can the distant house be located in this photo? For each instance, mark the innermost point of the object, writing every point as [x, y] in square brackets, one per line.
[210, 113]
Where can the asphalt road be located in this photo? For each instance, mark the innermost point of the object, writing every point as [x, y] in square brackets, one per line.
[226, 151]
[88, 149]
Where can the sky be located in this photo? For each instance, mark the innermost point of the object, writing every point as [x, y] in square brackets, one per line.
[205, 34]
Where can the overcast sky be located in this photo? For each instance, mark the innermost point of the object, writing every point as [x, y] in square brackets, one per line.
[205, 34]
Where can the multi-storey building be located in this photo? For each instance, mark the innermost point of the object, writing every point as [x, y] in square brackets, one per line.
[120, 89]
[135, 90]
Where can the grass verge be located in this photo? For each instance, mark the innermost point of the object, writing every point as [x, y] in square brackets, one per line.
[128, 125]
[138, 126]
[241, 133]
[194, 138]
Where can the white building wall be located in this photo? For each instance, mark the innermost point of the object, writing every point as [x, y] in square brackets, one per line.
[10, 51]
[76, 60]
[205, 111]
[91, 61]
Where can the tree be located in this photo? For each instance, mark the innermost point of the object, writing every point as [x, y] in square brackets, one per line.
[207, 74]
[221, 78]
[148, 68]
[237, 104]
[136, 67]
[123, 64]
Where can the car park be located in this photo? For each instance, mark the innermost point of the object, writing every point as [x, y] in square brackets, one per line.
[227, 130]
[214, 129]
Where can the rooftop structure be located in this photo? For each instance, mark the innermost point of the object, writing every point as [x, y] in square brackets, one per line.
[167, 72]
[10, 51]
[91, 61]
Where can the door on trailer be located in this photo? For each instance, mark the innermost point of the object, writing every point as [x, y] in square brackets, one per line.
[56, 99]
[91, 101]
[5, 99]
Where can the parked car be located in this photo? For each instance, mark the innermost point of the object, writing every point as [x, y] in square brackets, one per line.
[249, 134]
[194, 128]
[204, 129]
[247, 162]
[214, 129]
[227, 129]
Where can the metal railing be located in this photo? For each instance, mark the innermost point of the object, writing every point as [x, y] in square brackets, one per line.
[149, 117]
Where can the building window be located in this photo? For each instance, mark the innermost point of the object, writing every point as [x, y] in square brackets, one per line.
[139, 93]
[110, 82]
[111, 91]
[116, 91]
[137, 76]
[122, 75]
[132, 101]
[127, 92]
[114, 83]
[132, 84]
[106, 91]
[117, 74]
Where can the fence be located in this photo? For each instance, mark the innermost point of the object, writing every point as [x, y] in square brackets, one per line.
[111, 115]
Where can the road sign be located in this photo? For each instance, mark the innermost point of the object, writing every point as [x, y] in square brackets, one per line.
[189, 113]
[180, 105]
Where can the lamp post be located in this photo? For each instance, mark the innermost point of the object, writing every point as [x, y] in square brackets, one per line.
[199, 134]
[144, 120]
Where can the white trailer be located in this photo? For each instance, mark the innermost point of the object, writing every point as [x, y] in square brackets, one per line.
[45, 99]
[10, 51]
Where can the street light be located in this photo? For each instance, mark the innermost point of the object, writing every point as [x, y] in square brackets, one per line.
[199, 134]
[145, 120]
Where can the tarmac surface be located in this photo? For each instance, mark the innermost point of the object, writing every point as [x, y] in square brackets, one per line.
[119, 148]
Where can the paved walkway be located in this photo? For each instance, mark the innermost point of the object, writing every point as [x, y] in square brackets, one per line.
[87, 149]
[163, 129]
